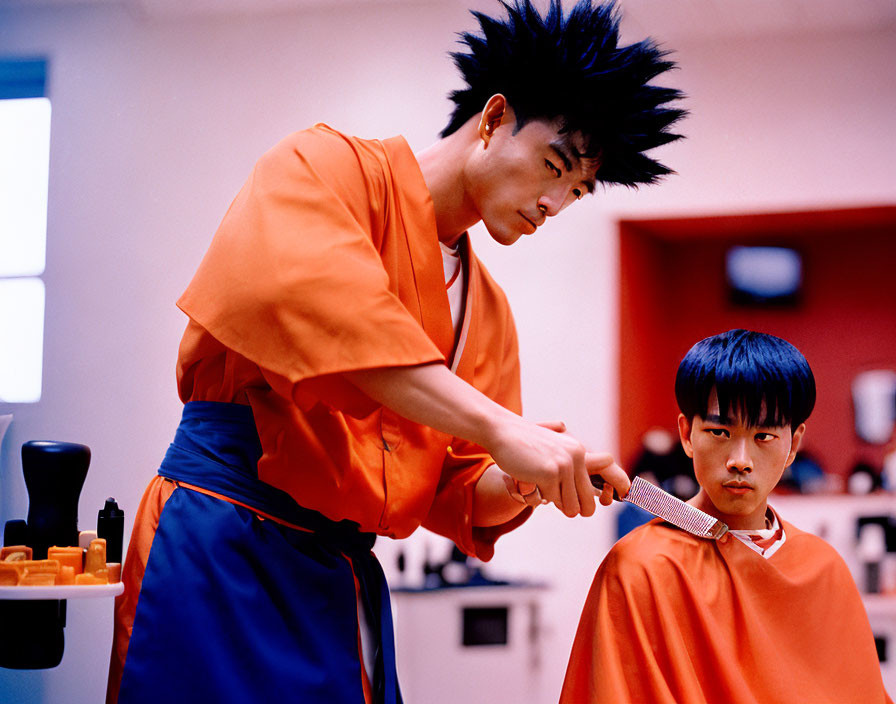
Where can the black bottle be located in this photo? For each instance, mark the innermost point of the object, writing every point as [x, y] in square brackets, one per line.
[110, 525]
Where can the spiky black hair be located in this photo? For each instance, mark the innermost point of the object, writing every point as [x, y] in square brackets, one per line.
[759, 378]
[572, 67]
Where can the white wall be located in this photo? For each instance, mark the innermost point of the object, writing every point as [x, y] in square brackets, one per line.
[156, 124]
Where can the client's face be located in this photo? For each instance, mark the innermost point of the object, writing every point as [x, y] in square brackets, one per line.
[737, 465]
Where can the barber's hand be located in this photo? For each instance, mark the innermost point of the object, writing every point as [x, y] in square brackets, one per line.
[614, 478]
[555, 462]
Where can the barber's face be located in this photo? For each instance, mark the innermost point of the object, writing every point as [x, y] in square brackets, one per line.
[516, 181]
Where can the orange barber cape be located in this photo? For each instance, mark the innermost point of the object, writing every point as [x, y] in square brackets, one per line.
[328, 261]
[675, 619]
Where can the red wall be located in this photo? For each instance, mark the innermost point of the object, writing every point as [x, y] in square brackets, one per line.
[673, 294]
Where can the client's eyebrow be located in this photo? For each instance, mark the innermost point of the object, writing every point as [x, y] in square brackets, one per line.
[567, 153]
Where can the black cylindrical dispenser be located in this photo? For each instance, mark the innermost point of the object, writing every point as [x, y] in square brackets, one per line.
[54, 474]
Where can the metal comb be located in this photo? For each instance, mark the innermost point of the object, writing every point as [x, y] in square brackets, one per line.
[661, 503]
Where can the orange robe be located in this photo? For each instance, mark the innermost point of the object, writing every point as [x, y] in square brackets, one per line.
[328, 261]
[675, 619]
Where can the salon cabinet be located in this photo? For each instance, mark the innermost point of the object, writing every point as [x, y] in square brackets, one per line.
[470, 644]
[836, 519]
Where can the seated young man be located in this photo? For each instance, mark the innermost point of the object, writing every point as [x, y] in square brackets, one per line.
[767, 613]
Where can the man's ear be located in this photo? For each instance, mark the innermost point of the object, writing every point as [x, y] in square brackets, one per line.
[494, 114]
[795, 444]
[684, 432]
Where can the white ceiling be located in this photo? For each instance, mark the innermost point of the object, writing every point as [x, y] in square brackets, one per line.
[684, 19]
[673, 20]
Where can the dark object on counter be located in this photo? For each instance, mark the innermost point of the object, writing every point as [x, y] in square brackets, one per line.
[15, 532]
[54, 474]
[887, 524]
[459, 571]
[863, 479]
[875, 538]
[431, 577]
[805, 475]
[663, 461]
[34, 639]
[110, 526]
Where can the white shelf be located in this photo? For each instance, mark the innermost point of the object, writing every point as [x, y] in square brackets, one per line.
[884, 502]
[880, 604]
[79, 591]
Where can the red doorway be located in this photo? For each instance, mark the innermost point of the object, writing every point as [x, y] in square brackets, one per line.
[674, 292]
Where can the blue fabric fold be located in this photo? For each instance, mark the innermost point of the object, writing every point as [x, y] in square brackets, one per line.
[236, 608]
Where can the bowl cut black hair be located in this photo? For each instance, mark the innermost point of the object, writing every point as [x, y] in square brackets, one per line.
[757, 377]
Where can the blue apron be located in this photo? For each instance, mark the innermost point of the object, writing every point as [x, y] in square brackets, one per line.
[237, 608]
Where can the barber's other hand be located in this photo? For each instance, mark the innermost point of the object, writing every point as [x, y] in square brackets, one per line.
[524, 493]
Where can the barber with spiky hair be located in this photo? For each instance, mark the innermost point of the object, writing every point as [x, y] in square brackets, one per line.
[349, 369]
